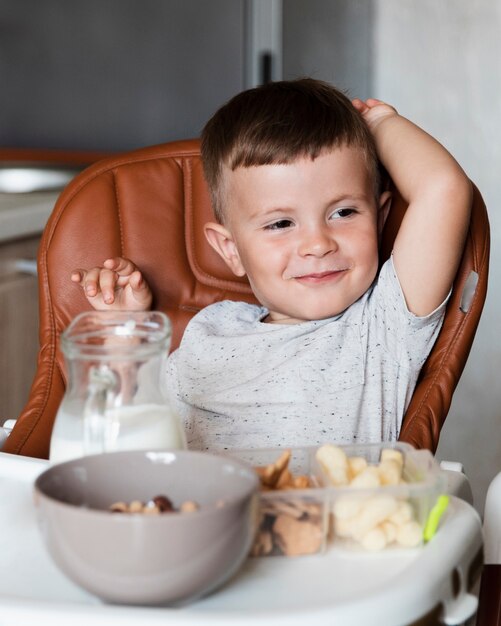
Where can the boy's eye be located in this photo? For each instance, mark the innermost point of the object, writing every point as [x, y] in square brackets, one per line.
[343, 212]
[279, 225]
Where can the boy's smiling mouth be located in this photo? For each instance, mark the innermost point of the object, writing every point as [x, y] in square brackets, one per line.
[320, 277]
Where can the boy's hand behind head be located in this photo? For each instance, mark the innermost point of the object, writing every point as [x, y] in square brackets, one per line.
[373, 111]
[430, 241]
[118, 286]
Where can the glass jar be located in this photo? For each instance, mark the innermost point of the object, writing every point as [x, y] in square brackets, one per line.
[114, 398]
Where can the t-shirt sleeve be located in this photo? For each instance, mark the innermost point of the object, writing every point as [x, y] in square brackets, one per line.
[409, 338]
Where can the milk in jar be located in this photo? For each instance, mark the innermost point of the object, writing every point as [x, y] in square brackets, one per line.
[114, 399]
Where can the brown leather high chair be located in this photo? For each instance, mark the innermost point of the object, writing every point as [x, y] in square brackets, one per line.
[150, 206]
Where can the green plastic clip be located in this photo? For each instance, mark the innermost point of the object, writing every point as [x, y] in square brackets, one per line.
[430, 528]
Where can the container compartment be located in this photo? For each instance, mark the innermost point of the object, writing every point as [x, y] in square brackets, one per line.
[297, 521]
[294, 519]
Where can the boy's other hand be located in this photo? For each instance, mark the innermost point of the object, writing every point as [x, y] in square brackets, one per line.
[118, 285]
[373, 111]
[430, 241]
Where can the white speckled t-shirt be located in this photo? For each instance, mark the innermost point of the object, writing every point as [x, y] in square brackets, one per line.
[238, 382]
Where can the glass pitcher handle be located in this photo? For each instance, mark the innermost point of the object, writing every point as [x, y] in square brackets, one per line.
[97, 420]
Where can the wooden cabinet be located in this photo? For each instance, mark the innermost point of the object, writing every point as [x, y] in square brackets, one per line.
[18, 326]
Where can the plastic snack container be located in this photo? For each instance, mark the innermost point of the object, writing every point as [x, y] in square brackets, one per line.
[296, 522]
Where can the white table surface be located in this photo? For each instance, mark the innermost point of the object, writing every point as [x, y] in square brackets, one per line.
[338, 588]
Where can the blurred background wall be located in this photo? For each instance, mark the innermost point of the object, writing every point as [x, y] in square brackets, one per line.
[119, 74]
[115, 74]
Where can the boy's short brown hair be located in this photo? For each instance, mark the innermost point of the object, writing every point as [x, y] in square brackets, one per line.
[278, 123]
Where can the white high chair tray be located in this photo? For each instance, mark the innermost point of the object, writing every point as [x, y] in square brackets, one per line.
[339, 588]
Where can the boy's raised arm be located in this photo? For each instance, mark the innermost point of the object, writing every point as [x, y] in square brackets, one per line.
[430, 241]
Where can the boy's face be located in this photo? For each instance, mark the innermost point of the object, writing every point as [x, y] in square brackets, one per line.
[305, 233]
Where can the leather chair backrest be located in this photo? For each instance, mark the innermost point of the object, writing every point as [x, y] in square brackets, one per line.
[150, 205]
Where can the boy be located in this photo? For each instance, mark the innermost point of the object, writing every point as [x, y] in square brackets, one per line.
[334, 350]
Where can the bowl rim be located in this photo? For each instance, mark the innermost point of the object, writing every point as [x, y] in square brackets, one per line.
[252, 489]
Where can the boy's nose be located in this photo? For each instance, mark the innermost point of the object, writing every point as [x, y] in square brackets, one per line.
[317, 242]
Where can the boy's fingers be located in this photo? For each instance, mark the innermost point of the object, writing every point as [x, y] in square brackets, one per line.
[77, 276]
[140, 288]
[115, 274]
[90, 282]
[136, 280]
[369, 104]
[107, 284]
[120, 265]
[372, 102]
[88, 279]
[359, 105]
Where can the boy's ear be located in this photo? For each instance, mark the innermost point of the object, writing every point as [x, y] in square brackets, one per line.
[220, 238]
[384, 208]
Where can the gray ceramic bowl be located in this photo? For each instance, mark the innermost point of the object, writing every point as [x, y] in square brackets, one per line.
[170, 558]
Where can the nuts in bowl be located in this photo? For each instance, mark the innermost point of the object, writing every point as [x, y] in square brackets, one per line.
[136, 557]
